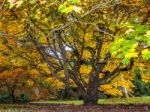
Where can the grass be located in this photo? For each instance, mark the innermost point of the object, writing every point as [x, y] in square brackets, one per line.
[21, 108]
[12, 110]
[133, 100]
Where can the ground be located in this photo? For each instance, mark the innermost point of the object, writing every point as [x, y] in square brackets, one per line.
[78, 108]
[137, 104]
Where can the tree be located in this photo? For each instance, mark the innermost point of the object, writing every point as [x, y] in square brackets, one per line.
[76, 36]
[12, 80]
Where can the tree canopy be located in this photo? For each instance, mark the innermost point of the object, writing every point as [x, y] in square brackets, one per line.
[90, 44]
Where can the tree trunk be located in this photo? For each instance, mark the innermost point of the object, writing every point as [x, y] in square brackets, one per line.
[91, 96]
[90, 99]
[13, 97]
[124, 89]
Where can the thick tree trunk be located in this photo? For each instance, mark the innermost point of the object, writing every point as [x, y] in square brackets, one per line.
[90, 99]
[91, 96]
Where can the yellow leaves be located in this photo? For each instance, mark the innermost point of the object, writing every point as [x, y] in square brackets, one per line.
[145, 51]
[88, 35]
[29, 83]
[145, 78]
[88, 39]
[105, 87]
[101, 75]
[108, 89]
[2, 47]
[44, 67]
[146, 54]
[1, 24]
[121, 81]
[34, 73]
[71, 82]
[2, 59]
[77, 9]
[129, 31]
[60, 84]
[111, 65]
[145, 75]
[67, 7]
[86, 54]
[85, 69]
[50, 79]
[148, 33]
[61, 73]
[132, 2]
[41, 2]
[128, 25]
[55, 83]
[114, 54]
[132, 54]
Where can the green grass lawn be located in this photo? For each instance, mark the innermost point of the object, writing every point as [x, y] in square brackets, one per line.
[133, 100]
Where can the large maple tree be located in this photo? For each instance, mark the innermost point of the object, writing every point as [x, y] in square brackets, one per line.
[74, 38]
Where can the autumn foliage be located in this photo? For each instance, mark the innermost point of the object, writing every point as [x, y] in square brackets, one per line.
[93, 45]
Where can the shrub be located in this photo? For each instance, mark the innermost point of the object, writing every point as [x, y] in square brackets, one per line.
[141, 88]
[24, 98]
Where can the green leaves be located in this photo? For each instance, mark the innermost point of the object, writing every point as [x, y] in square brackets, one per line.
[135, 42]
[68, 7]
[75, 1]
[124, 49]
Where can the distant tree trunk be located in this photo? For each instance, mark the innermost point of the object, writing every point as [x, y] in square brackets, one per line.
[13, 98]
[124, 89]
[12, 94]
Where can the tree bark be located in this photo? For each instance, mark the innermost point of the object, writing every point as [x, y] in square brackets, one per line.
[91, 96]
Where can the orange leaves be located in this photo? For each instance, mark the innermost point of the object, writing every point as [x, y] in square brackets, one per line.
[12, 73]
[11, 77]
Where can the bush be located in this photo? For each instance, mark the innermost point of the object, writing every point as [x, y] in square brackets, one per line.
[24, 98]
[64, 94]
[141, 88]
[5, 98]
